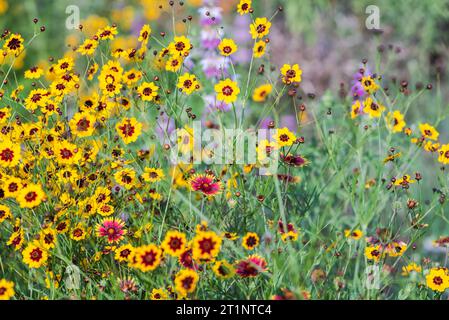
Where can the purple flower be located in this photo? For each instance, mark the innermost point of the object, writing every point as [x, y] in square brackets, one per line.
[357, 89]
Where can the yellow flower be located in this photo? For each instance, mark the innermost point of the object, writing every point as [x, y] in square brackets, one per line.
[5, 213]
[373, 252]
[260, 28]
[259, 49]
[206, 245]
[147, 91]
[123, 253]
[369, 84]
[372, 108]
[188, 83]
[438, 279]
[223, 269]
[34, 73]
[173, 64]
[14, 44]
[180, 46]
[88, 47]
[144, 34]
[227, 47]
[153, 174]
[411, 267]
[30, 196]
[444, 154]
[129, 129]
[185, 281]
[353, 234]
[431, 146]
[291, 73]
[250, 241]
[395, 121]
[396, 248]
[36, 98]
[9, 153]
[159, 294]
[243, 7]
[147, 257]
[82, 124]
[6, 289]
[355, 109]
[34, 255]
[126, 178]
[48, 238]
[107, 33]
[227, 91]
[284, 137]
[428, 131]
[260, 93]
[174, 243]
[78, 233]
[405, 180]
[66, 152]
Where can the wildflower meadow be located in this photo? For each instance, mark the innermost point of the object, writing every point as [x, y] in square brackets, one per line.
[223, 150]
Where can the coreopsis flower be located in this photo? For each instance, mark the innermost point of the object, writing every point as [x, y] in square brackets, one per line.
[188, 83]
[174, 243]
[356, 109]
[372, 108]
[6, 289]
[259, 49]
[291, 73]
[438, 279]
[207, 184]
[185, 139]
[396, 248]
[91, 71]
[147, 91]
[5, 213]
[5, 113]
[16, 239]
[284, 137]
[159, 294]
[261, 93]
[227, 91]
[126, 178]
[9, 153]
[173, 64]
[14, 44]
[78, 232]
[355, 234]
[36, 98]
[430, 146]
[260, 28]
[34, 255]
[48, 238]
[34, 73]
[112, 229]
[369, 84]
[443, 152]
[105, 209]
[251, 266]
[62, 226]
[64, 65]
[129, 129]
[429, 132]
[124, 253]
[144, 34]
[206, 245]
[131, 77]
[107, 33]
[82, 124]
[66, 152]
[147, 257]
[185, 281]
[153, 175]
[180, 47]
[88, 47]
[404, 180]
[411, 267]
[30, 196]
[250, 241]
[373, 252]
[227, 47]
[244, 6]
[395, 121]
[223, 269]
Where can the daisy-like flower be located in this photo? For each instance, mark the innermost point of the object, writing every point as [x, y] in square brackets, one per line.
[173, 64]
[174, 243]
[12, 186]
[153, 174]
[88, 47]
[131, 77]
[227, 47]
[260, 28]
[147, 257]
[6, 289]
[144, 34]
[259, 49]
[9, 153]
[30, 196]
[284, 137]
[223, 269]
[373, 108]
[185, 281]
[287, 233]
[129, 129]
[396, 248]
[16, 239]
[206, 183]
[62, 226]
[148, 91]
[227, 91]
[126, 178]
[369, 84]
[356, 109]
[112, 229]
[66, 152]
[78, 233]
[5, 213]
[438, 279]
[159, 294]
[429, 132]
[107, 33]
[5, 113]
[123, 253]
[250, 241]
[353, 234]
[206, 245]
[36, 98]
[64, 65]
[34, 255]
[291, 73]
[188, 83]
[260, 93]
[243, 7]
[411, 267]
[48, 238]
[251, 266]
[82, 124]
[180, 46]
[34, 73]
[404, 180]
[395, 121]
[373, 252]
[14, 44]
[444, 154]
